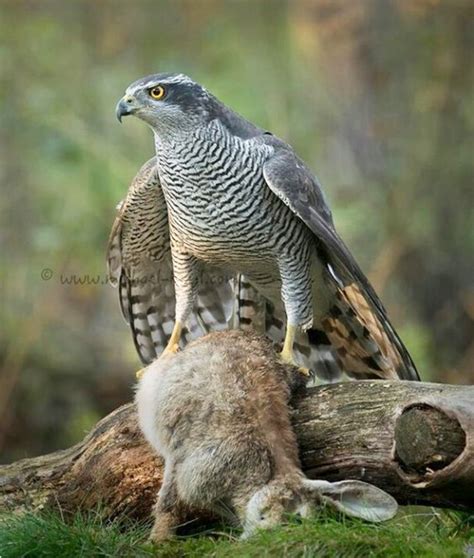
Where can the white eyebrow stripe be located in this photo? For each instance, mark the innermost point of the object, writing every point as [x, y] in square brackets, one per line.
[131, 90]
[180, 78]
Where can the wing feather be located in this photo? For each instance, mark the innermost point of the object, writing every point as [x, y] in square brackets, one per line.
[357, 325]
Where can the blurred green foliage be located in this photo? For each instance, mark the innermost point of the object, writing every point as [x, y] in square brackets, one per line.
[376, 96]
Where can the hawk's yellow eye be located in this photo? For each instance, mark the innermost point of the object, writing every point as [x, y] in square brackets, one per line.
[157, 92]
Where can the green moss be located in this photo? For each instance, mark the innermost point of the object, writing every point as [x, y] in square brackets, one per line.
[413, 533]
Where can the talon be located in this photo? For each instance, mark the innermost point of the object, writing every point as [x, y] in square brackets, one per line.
[305, 371]
[289, 359]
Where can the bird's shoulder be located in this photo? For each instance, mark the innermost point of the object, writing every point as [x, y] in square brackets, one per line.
[291, 178]
[232, 122]
[146, 177]
[286, 173]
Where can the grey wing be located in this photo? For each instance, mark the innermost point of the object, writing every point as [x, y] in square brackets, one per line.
[356, 329]
[139, 263]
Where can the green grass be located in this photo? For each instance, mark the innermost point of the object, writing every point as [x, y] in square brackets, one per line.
[417, 533]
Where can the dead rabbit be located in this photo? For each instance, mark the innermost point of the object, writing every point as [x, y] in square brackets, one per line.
[218, 414]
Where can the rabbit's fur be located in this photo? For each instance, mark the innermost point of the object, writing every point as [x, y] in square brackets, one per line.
[218, 413]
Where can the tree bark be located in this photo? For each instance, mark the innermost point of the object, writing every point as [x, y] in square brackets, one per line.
[414, 440]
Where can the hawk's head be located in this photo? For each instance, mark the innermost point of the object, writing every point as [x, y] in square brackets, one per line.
[167, 101]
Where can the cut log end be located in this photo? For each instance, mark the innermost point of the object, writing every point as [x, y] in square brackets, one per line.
[427, 440]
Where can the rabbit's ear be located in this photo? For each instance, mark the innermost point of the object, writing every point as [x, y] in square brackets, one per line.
[355, 498]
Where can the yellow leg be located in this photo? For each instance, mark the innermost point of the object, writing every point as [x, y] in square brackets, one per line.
[286, 354]
[173, 343]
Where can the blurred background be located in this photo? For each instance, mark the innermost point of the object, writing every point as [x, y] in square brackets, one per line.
[375, 95]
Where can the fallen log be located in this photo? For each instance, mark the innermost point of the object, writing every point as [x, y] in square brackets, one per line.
[414, 440]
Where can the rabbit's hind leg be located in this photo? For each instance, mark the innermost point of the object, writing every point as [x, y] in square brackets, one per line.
[221, 470]
[169, 511]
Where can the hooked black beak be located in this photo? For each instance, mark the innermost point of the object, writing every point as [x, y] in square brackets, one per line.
[124, 107]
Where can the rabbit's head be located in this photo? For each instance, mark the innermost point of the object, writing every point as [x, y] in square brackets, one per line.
[268, 506]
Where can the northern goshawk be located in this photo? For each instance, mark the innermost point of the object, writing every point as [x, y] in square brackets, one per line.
[226, 220]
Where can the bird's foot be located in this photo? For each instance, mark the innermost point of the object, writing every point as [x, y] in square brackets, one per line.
[287, 355]
[171, 349]
[288, 358]
[173, 344]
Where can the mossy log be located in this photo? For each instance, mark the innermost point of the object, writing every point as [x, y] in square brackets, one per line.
[415, 440]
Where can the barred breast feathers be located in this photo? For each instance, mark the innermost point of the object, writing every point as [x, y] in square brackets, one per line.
[139, 263]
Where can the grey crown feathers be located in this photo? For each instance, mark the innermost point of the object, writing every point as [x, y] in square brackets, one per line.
[226, 226]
